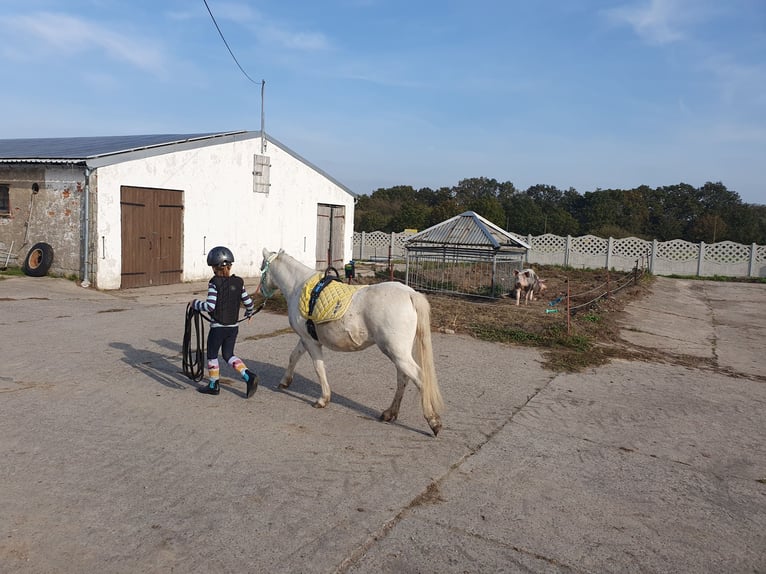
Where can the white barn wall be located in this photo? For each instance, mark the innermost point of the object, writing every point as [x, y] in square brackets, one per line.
[221, 208]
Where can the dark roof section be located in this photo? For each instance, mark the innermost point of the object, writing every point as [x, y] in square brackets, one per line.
[469, 229]
[82, 148]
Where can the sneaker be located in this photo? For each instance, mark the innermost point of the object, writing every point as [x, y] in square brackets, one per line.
[252, 382]
[208, 390]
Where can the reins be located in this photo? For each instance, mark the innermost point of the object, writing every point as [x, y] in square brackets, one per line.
[265, 291]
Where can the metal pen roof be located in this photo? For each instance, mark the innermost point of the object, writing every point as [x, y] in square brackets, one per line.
[469, 229]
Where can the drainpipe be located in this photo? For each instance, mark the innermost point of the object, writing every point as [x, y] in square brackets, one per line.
[86, 231]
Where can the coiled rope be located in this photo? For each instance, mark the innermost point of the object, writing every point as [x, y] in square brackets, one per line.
[194, 359]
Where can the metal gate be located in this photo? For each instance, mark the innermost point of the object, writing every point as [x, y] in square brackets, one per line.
[152, 236]
[331, 229]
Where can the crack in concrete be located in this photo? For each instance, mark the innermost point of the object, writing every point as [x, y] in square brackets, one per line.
[431, 494]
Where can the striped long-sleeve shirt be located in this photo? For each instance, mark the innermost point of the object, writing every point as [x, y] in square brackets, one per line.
[210, 304]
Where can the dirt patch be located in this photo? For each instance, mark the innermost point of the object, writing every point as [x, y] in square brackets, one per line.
[589, 335]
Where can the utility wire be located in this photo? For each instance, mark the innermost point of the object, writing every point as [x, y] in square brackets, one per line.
[227, 44]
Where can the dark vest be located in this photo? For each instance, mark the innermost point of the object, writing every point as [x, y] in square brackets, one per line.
[229, 299]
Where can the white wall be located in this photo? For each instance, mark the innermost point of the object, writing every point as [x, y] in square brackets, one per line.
[221, 207]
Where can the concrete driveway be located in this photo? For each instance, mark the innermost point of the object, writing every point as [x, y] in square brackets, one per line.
[111, 462]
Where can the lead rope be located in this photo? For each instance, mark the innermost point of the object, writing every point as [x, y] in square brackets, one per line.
[193, 359]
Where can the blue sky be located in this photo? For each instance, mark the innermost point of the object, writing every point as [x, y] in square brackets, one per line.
[572, 93]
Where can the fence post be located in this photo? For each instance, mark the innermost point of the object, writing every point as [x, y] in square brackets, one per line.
[609, 246]
[361, 249]
[654, 256]
[700, 258]
[529, 242]
[751, 267]
[567, 248]
[569, 309]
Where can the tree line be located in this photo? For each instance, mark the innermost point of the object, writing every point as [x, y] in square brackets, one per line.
[710, 213]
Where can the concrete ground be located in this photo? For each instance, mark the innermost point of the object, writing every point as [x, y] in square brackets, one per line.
[111, 462]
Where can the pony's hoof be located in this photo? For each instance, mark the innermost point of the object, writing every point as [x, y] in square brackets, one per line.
[436, 426]
[387, 416]
[319, 404]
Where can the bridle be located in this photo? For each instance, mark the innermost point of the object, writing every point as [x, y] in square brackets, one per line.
[265, 291]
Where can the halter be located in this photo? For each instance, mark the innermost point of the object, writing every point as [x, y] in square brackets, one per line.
[265, 291]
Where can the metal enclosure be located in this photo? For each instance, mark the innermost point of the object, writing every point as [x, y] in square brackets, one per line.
[464, 255]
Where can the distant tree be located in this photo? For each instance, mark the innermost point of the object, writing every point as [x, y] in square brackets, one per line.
[469, 191]
[524, 216]
[750, 224]
[603, 207]
[443, 211]
[369, 221]
[611, 230]
[709, 227]
[715, 197]
[558, 208]
[635, 212]
[489, 208]
[412, 215]
[546, 196]
[710, 213]
[381, 207]
[560, 222]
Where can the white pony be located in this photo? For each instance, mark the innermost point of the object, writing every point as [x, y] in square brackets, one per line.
[391, 315]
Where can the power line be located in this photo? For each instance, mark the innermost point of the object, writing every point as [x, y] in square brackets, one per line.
[227, 44]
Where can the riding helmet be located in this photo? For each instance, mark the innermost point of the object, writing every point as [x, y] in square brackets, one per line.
[219, 256]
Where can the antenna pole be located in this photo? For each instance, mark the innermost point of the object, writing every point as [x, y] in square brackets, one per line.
[263, 119]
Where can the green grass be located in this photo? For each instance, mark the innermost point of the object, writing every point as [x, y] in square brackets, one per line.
[11, 272]
[564, 352]
[551, 338]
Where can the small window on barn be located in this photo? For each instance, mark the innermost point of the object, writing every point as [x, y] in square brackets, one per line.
[261, 174]
[5, 201]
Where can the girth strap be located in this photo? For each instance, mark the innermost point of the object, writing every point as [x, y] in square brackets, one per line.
[315, 292]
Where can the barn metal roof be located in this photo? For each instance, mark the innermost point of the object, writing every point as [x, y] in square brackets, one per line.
[77, 149]
[95, 152]
[469, 229]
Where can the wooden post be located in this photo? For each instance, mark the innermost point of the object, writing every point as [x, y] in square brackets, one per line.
[569, 311]
[608, 285]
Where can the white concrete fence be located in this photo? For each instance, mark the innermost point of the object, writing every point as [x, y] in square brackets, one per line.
[676, 257]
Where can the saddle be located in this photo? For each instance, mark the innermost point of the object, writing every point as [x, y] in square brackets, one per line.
[324, 298]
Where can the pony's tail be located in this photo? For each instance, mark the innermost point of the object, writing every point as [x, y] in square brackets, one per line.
[430, 394]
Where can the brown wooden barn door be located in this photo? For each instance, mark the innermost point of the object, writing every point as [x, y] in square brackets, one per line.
[152, 221]
[168, 225]
[331, 230]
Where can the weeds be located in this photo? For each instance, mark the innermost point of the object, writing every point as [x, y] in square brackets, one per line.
[11, 272]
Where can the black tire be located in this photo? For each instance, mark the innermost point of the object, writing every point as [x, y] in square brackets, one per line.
[38, 261]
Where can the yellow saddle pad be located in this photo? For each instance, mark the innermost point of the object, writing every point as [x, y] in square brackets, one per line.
[333, 300]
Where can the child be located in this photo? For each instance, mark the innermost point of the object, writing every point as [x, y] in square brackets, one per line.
[225, 293]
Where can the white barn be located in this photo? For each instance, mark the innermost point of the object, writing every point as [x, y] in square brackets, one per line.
[130, 211]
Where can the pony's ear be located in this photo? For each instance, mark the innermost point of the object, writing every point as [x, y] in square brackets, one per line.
[515, 271]
[266, 253]
[281, 251]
